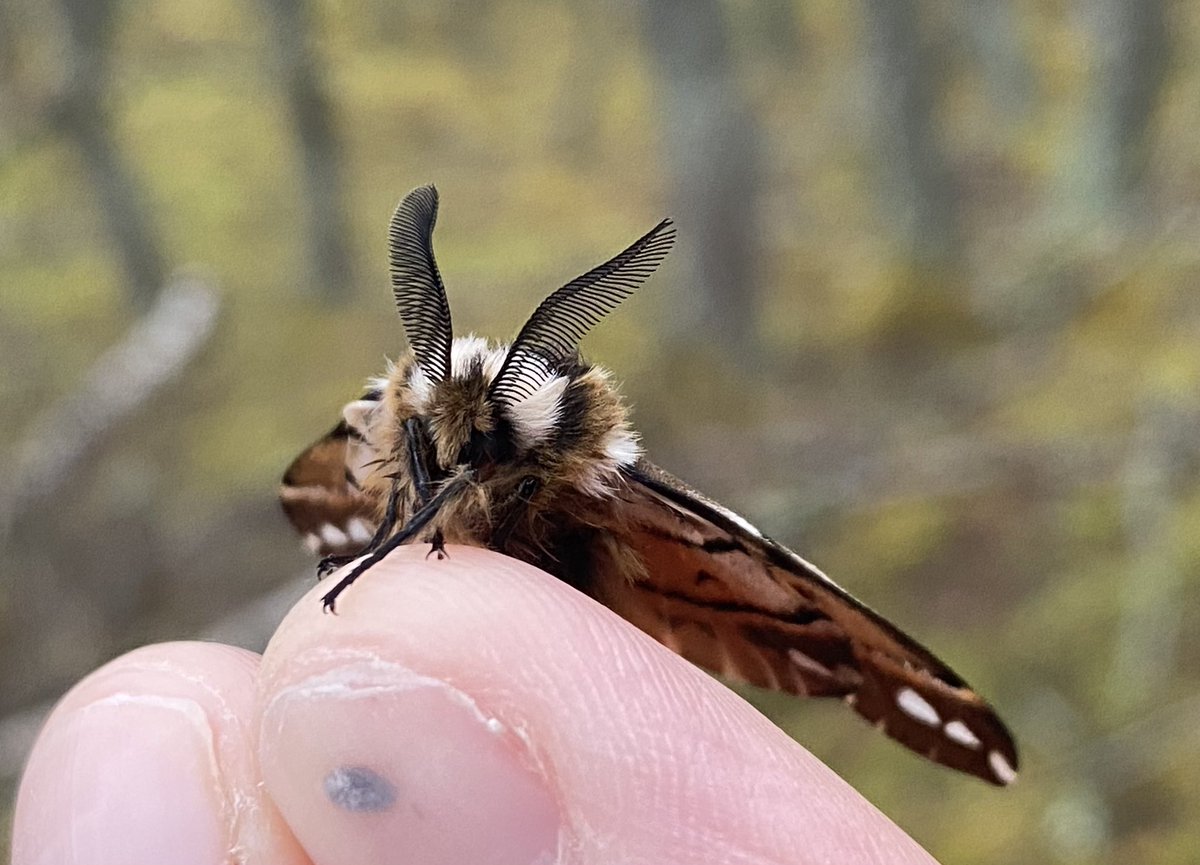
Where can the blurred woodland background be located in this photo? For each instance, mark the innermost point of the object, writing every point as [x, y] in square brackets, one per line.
[932, 320]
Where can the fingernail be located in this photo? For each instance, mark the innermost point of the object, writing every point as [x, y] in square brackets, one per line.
[130, 779]
[373, 763]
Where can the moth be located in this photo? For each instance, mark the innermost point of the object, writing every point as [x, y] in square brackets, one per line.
[527, 449]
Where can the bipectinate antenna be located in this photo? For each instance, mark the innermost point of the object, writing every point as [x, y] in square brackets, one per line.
[552, 334]
[416, 283]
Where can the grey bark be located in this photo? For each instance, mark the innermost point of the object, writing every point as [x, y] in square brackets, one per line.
[154, 352]
[919, 189]
[80, 114]
[1130, 60]
[1162, 454]
[712, 143]
[299, 72]
[993, 32]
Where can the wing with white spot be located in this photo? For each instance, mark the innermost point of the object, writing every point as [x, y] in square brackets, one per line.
[727, 598]
[320, 496]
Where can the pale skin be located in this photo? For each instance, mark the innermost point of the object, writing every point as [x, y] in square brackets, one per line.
[470, 710]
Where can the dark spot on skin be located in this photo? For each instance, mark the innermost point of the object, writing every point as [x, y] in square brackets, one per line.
[358, 789]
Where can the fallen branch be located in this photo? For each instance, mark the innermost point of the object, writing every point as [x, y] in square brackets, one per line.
[154, 351]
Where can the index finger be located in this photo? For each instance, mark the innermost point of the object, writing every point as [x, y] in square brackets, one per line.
[476, 709]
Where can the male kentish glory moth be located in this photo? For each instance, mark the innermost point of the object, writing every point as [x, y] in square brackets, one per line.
[527, 449]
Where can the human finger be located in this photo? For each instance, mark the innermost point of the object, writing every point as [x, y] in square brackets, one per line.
[477, 710]
[151, 759]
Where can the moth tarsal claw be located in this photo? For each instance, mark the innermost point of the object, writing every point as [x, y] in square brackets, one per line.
[437, 544]
[329, 564]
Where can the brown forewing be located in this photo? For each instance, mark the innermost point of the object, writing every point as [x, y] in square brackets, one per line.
[744, 607]
[321, 499]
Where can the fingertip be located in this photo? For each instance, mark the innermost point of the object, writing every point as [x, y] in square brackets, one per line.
[364, 754]
[370, 757]
[149, 759]
[644, 757]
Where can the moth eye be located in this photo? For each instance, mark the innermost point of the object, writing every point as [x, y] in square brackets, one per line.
[485, 448]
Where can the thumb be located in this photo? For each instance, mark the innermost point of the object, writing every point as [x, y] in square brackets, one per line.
[477, 710]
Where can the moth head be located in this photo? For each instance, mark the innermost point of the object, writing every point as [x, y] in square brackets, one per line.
[509, 411]
[466, 425]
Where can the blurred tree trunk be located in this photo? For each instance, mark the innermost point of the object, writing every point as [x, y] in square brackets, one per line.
[993, 34]
[919, 188]
[8, 75]
[579, 99]
[79, 114]
[1130, 57]
[299, 72]
[776, 30]
[71, 619]
[930, 311]
[1152, 597]
[466, 26]
[712, 143]
[65, 436]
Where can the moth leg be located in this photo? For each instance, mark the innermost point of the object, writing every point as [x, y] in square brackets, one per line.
[516, 508]
[388, 523]
[418, 449]
[411, 529]
[329, 564]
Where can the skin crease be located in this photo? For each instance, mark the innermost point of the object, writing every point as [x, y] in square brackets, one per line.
[472, 709]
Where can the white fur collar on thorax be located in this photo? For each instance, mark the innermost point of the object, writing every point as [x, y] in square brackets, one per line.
[536, 415]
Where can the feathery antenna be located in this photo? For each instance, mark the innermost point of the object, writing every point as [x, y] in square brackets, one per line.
[416, 283]
[553, 332]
